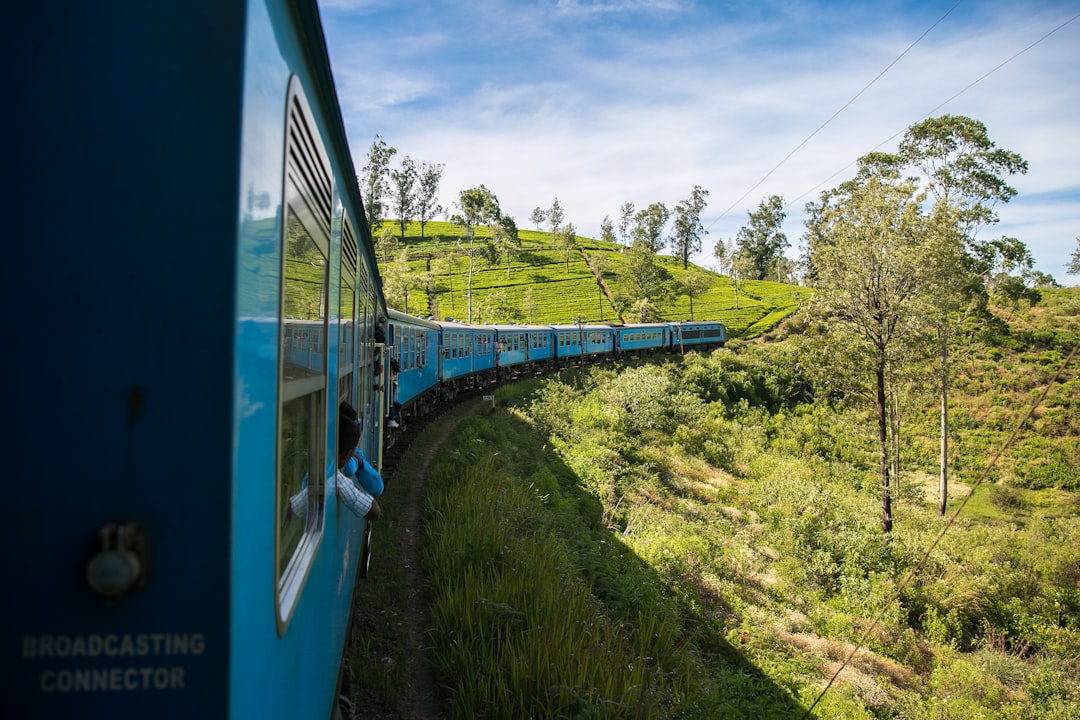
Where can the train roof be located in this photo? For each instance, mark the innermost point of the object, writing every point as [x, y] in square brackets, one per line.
[400, 317]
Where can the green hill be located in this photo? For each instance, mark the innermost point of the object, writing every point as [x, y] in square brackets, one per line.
[544, 286]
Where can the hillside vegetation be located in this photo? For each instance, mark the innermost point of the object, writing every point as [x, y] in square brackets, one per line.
[698, 537]
[547, 285]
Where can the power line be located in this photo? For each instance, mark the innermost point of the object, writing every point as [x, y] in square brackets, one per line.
[835, 114]
[938, 107]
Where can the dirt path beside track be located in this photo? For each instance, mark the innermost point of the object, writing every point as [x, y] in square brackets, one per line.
[393, 670]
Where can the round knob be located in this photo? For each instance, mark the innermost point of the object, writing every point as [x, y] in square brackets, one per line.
[113, 572]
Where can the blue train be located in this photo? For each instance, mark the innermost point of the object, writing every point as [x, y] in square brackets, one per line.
[436, 360]
[212, 296]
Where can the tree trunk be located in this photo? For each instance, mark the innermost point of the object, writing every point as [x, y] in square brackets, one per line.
[883, 448]
[943, 479]
[895, 407]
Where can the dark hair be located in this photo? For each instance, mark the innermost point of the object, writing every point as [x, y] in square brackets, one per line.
[348, 411]
[348, 435]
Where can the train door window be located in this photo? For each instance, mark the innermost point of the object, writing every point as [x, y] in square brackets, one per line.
[347, 315]
[302, 408]
[365, 332]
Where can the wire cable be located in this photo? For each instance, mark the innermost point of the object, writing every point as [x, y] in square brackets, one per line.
[835, 114]
[948, 524]
[931, 112]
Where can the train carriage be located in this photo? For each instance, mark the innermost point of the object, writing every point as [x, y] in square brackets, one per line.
[642, 339]
[693, 334]
[522, 348]
[579, 341]
[224, 279]
[467, 355]
[415, 348]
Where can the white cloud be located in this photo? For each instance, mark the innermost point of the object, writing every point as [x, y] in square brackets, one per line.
[599, 110]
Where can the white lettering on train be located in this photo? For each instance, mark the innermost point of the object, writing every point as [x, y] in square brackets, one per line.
[127, 645]
[112, 679]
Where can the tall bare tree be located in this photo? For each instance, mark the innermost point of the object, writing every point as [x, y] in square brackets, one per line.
[477, 207]
[872, 271]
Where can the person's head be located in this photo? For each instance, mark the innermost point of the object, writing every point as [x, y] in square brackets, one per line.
[347, 410]
[348, 438]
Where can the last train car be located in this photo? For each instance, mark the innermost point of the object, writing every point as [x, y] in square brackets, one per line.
[188, 255]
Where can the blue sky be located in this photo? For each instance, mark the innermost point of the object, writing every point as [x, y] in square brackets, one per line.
[609, 101]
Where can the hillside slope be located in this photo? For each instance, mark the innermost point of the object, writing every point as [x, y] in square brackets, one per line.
[546, 285]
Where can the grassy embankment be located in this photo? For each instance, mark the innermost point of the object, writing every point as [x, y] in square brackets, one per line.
[562, 292]
[700, 539]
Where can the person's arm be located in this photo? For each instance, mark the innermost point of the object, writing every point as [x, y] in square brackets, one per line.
[368, 476]
[359, 503]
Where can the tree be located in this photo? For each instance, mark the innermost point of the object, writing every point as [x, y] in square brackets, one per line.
[399, 280]
[568, 243]
[528, 304]
[427, 189]
[626, 221]
[649, 227]
[387, 244]
[1073, 267]
[507, 242]
[403, 192]
[476, 206]
[695, 282]
[724, 252]
[607, 230]
[961, 167]
[761, 240]
[555, 217]
[741, 268]
[598, 263]
[538, 217]
[376, 183]
[448, 264]
[644, 280]
[689, 231]
[872, 268]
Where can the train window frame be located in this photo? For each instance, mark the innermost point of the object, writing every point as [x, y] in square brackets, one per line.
[302, 400]
[347, 313]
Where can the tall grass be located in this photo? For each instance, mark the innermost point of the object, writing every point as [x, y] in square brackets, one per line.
[517, 632]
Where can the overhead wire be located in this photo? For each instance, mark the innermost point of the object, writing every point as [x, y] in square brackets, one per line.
[945, 528]
[832, 117]
[936, 108]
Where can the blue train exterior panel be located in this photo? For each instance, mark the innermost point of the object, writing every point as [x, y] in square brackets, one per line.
[645, 337]
[466, 350]
[416, 349]
[690, 334]
[153, 578]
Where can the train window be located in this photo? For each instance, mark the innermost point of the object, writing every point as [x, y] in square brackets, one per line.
[347, 315]
[302, 409]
